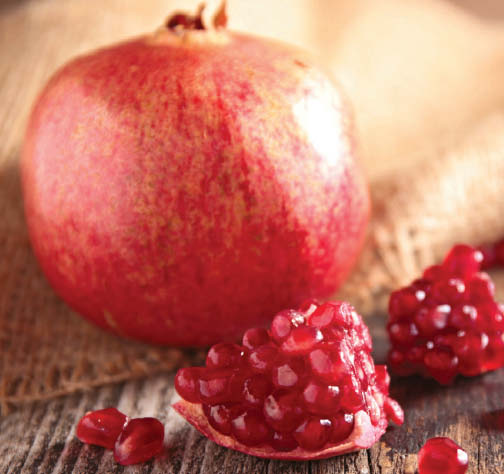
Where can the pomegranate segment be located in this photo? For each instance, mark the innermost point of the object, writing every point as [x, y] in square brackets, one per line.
[140, 440]
[101, 427]
[306, 389]
[442, 456]
[448, 322]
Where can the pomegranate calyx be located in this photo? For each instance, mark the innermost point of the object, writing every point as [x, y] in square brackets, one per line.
[180, 21]
[363, 436]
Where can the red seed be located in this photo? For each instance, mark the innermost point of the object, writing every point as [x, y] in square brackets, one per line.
[283, 442]
[288, 374]
[224, 355]
[255, 390]
[462, 261]
[101, 427]
[255, 337]
[323, 316]
[214, 386]
[283, 411]
[430, 320]
[187, 384]
[382, 378]
[403, 302]
[342, 426]
[301, 340]
[394, 411]
[219, 416]
[321, 399]
[313, 433]
[499, 252]
[283, 322]
[262, 359]
[330, 363]
[140, 440]
[442, 456]
[250, 429]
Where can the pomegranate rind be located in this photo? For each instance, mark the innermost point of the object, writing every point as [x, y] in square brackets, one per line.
[363, 436]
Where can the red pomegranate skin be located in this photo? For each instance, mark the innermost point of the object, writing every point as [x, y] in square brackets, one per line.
[180, 188]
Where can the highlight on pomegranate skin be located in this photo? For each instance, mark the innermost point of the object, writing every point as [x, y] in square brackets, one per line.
[306, 388]
[140, 440]
[447, 322]
[101, 427]
[442, 456]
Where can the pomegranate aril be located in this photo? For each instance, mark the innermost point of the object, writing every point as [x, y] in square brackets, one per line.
[250, 429]
[499, 252]
[441, 364]
[329, 363]
[187, 384]
[403, 334]
[321, 399]
[262, 359]
[255, 390]
[101, 427]
[447, 291]
[224, 355]
[283, 323]
[214, 386]
[219, 416]
[288, 374]
[140, 440]
[433, 273]
[301, 340]
[489, 256]
[283, 442]
[382, 378]
[328, 314]
[442, 456]
[255, 337]
[342, 426]
[351, 394]
[313, 433]
[480, 289]
[393, 411]
[403, 302]
[462, 261]
[283, 411]
[428, 321]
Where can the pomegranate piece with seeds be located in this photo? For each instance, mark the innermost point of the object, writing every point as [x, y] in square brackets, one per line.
[442, 456]
[140, 440]
[447, 322]
[307, 388]
[101, 427]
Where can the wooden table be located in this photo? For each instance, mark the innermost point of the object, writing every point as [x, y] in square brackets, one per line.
[40, 437]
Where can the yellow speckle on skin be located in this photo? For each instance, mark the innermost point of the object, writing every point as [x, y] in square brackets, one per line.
[109, 319]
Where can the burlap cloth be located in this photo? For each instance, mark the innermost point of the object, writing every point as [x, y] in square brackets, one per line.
[450, 191]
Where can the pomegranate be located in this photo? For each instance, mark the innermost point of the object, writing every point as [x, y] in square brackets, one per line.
[185, 185]
[447, 322]
[307, 388]
[442, 456]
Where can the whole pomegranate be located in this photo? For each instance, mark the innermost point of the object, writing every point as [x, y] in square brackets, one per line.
[183, 186]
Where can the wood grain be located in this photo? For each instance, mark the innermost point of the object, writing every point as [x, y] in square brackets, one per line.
[40, 437]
